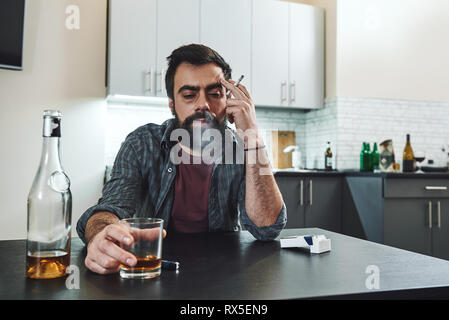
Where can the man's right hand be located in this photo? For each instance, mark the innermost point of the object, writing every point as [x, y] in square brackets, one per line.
[104, 254]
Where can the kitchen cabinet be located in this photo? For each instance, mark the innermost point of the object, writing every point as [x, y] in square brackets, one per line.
[287, 54]
[312, 201]
[440, 231]
[229, 33]
[132, 42]
[278, 46]
[306, 56]
[178, 23]
[270, 53]
[142, 36]
[416, 215]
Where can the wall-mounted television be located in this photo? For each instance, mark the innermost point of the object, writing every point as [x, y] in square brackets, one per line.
[12, 17]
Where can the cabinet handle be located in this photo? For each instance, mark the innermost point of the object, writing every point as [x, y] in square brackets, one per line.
[150, 74]
[310, 193]
[162, 83]
[283, 91]
[302, 193]
[293, 92]
[430, 215]
[436, 188]
[439, 214]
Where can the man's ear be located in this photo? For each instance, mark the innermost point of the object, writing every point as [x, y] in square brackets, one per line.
[171, 105]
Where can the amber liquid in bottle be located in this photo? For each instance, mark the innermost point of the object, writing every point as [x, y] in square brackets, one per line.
[52, 265]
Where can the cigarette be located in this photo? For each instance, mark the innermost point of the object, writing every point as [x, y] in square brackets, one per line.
[235, 84]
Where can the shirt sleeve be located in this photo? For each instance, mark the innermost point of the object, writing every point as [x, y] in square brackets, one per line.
[121, 193]
[260, 233]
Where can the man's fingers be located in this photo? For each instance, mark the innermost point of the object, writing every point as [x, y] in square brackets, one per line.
[96, 267]
[118, 254]
[245, 91]
[119, 233]
[236, 102]
[236, 92]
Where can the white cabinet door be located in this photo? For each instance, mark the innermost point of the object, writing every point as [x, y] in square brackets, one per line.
[132, 47]
[270, 53]
[226, 27]
[177, 25]
[306, 56]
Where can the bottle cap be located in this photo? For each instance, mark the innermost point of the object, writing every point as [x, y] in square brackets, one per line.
[52, 123]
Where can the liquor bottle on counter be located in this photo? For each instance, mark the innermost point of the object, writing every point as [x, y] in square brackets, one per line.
[49, 209]
[375, 158]
[408, 159]
[362, 167]
[328, 157]
[366, 157]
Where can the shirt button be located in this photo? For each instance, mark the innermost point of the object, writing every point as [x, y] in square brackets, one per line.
[170, 170]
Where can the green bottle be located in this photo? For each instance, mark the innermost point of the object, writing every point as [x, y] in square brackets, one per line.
[375, 158]
[367, 158]
[362, 167]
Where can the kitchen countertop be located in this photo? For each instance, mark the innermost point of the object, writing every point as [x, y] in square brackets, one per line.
[352, 173]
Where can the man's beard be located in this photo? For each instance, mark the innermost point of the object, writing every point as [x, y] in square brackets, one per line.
[196, 128]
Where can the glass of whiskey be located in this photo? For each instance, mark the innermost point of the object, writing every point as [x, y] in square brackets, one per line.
[146, 247]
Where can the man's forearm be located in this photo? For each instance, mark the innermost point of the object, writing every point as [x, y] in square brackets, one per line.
[263, 200]
[98, 222]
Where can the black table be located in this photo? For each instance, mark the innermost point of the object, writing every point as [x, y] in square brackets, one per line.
[235, 266]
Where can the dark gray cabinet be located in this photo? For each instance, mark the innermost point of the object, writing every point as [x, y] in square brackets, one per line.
[406, 225]
[292, 190]
[416, 215]
[312, 201]
[440, 233]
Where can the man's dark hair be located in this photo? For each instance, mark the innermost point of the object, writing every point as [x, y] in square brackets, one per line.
[195, 54]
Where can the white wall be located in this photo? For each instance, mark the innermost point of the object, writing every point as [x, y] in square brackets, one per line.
[62, 69]
[393, 49]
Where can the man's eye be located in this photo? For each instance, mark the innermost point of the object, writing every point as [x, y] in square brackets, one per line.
[188, 96]
[215, 94]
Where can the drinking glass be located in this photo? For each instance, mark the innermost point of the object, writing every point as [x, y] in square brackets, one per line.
[419, 157]
[146, 247]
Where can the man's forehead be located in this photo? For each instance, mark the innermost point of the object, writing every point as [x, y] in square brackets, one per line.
[199, 76]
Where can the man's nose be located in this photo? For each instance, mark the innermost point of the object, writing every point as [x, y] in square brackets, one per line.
[202, 103]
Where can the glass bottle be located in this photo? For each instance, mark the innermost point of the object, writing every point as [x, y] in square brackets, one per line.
[408, 158]
[49, 208]
[366, 157]
[375, 158]
[362, 167]
[328, 157]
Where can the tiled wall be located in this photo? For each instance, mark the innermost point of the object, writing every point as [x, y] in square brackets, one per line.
[376, 120]
[345, 122]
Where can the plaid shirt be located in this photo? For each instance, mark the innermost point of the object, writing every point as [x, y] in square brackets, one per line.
[142, 185]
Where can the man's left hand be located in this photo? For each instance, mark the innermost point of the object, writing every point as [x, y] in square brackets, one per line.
[240, 108]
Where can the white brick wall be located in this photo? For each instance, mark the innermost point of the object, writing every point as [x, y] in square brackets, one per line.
[375, 120]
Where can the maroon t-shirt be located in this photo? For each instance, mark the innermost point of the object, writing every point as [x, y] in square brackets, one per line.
[189, 212]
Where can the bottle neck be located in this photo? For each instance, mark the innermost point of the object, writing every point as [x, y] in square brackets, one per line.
[51, 157]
